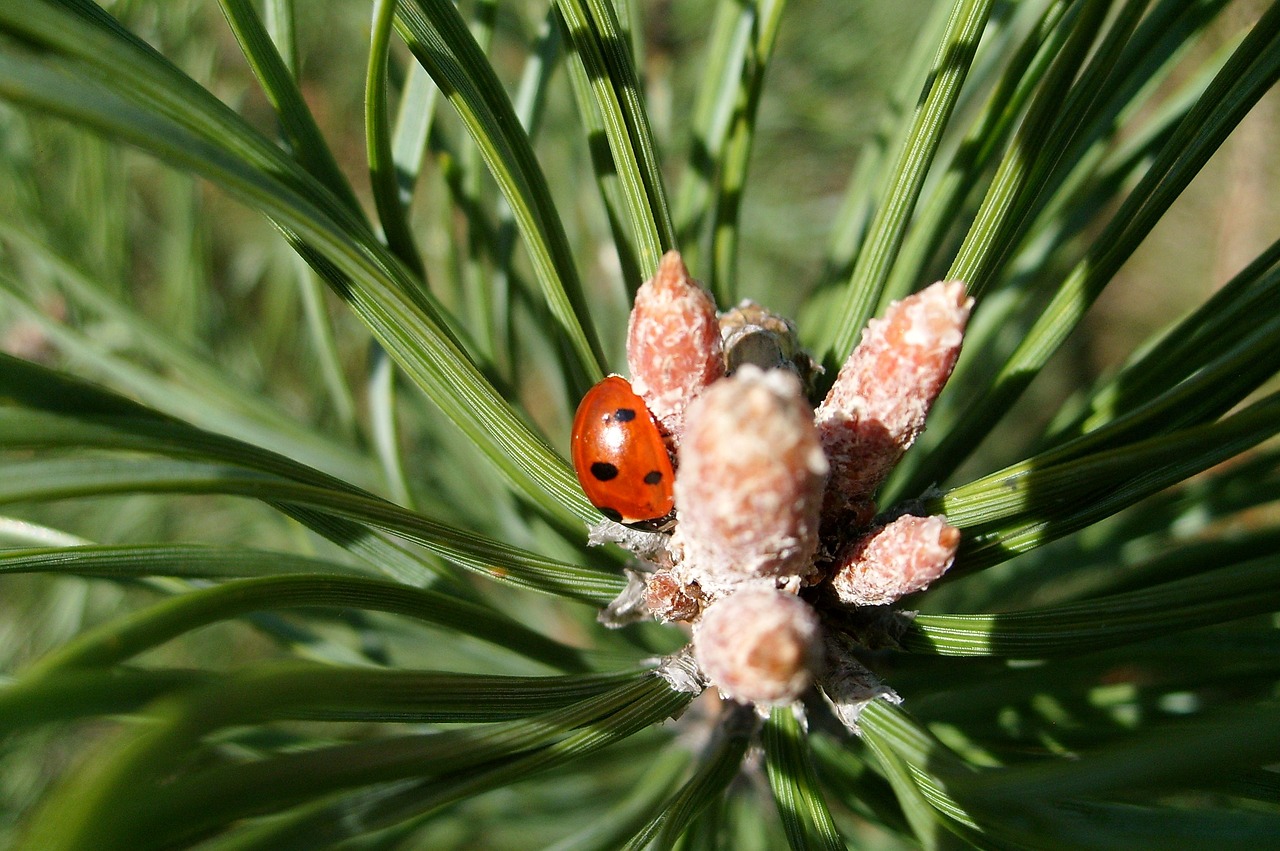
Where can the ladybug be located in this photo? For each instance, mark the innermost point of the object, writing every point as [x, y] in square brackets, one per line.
[620, 456]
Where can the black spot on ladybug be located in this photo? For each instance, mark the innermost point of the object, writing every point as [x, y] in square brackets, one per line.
[612, 513]
[604, 471]
[653, 477]
[624, 415]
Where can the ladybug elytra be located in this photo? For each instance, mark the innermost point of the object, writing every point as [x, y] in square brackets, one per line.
[620, 456]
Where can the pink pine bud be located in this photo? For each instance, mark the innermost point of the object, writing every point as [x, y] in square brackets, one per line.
[878, 404]
[895, 560]
[759, 645]
[749, 487]
[673, 342]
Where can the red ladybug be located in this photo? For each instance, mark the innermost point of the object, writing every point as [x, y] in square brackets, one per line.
[619, 455]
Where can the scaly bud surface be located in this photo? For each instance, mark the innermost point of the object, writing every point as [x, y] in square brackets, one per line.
[878, 404]
[669, 599]
[749, 487]
[759, 645]
[673, 342]
[895, 560]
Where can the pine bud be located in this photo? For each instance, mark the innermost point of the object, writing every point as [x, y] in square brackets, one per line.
[749, 487]
[759, 645]
[673, 342]
[878, 404]
[893, 561]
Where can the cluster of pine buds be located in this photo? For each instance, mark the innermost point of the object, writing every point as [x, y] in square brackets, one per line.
[776, 524]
